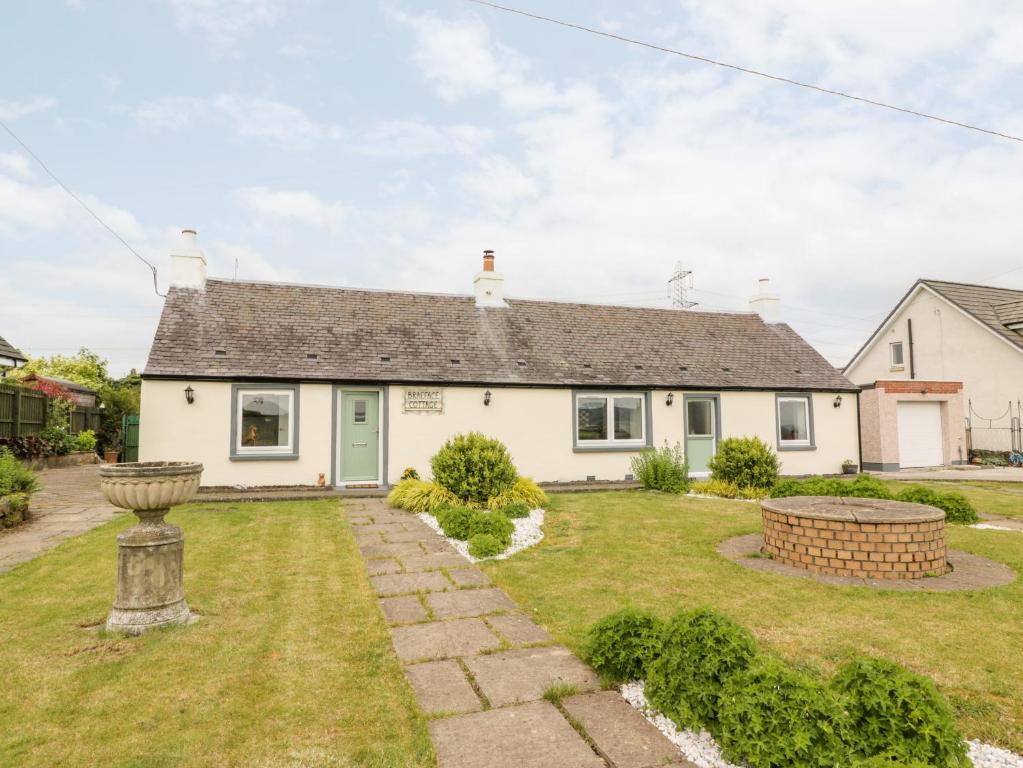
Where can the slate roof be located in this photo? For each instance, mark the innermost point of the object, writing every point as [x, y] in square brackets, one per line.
[72, 386]
[6, 350]
[251, 330]
[983, 302]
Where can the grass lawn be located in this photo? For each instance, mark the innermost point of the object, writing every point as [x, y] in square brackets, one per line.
[992, 498]
[603, 551]
[291, 664]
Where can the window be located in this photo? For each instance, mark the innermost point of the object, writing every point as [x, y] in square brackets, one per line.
[265, 423]
[699, 414]
[895, 348]
[610, 420]
[359, 412]
[795, 422]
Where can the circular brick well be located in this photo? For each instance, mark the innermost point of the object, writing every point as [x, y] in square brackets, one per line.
[866, 538]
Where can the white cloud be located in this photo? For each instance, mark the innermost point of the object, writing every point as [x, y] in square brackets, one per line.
[14, 110]
[294, 206]
[274, 121]
[406, 138]
[169, 113]
[225, 22]
[15, 164]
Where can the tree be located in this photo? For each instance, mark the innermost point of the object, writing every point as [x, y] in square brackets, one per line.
[86, 368]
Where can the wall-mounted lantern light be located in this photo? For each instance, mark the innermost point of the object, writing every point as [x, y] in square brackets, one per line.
[486, 397]
[189, 394]
[838, 401]
[670, 398]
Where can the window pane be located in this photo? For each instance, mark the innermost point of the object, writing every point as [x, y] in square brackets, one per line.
[628, 418]
[897, 353]
[699, 418]
[359, 412]
[591, 414]
[793, 421]
[265, 419]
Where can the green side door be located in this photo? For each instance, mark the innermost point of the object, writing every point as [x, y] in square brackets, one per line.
[701, 432]
[359, 433]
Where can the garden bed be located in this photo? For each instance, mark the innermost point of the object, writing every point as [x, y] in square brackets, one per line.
[528, 532]
[74, 459]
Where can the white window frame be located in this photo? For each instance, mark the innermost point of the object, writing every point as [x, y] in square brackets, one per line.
[611, 443]
[265, 450]
[896, 366]
[807, 400]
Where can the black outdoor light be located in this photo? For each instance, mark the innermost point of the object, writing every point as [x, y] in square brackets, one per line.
[189, 394]
[838, 401]
[486, 397]
[670, 398]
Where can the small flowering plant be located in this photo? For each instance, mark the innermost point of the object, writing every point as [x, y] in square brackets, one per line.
[410, 474]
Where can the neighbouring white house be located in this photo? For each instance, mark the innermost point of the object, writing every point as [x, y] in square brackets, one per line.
[272, 384]
[10, 357]
[942, 374]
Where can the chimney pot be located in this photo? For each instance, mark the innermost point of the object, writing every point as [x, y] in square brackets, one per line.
[188, 263]
[488, 261]
[765, 303]
[489, 285]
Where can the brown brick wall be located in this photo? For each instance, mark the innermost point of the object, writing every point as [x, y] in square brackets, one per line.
[907, 386]
[863, 550]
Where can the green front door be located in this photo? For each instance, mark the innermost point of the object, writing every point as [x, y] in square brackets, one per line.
[359, 432]
[701, 432]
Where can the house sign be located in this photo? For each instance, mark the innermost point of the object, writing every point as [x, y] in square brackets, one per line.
[424, 400]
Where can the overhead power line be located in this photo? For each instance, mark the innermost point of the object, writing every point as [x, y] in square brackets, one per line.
[82, 203]
[744, 70]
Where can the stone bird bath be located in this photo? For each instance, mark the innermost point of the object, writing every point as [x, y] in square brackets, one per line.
[150, 555]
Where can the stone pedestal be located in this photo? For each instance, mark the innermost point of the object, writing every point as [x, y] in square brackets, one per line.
[150, 557]
[150, 560]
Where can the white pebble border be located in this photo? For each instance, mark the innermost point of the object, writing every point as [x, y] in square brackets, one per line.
[528, 531]
[719, 498]
[702, 750]
[990, 527]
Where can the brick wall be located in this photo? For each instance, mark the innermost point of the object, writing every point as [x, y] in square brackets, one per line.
[914, 386]
[864, 550]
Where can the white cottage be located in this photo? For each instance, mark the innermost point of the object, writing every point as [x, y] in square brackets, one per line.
[272, 384]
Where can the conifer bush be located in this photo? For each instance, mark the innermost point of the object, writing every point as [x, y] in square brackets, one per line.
[474, 467]
[745, 461]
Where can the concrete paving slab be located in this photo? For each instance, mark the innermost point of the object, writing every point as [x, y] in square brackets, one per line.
[529, 736]
[378, 567]
[403, 610]
[518, 629]
[469, 577]
[391, 550]
[513, 677]
[442, 639]
[437, 544]
[441, 687]
[404, 536]
[619, 732]
[434, 561]
[403, 583]
[469, 602]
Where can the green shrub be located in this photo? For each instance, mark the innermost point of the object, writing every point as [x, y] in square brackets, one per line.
[863, 486]
[456, 522]
[13, 509]
[662, 469]
[622, 645]
[474, 467]
[483, 545]
[727, 490]
[883, 761]
[773, 716]
[524, 490]
[85, 441]
[700, 650]
[745, 461]
[494, 524]
[515, 510]
[15, 477]
[898, 714]
[956, 507]
[419, 496]
[59, 442]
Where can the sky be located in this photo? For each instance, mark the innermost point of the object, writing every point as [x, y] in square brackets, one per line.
[386, 144]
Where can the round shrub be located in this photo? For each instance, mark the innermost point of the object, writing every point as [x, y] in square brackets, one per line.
[894, 713]
[745, 461]
[773, 716]
[956, 507]
[456, 522]
[622, 645]
[515, 510]
[474, 467]
[493, 524]
[483, 545]
[700, 650]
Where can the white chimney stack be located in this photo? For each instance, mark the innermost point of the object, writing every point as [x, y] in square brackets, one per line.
[188, 263]
[765, 303]
[489, 284]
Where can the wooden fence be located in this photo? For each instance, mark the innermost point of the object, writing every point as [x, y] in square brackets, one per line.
[23, 412]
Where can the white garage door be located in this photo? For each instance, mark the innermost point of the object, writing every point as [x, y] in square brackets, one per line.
[919, 434]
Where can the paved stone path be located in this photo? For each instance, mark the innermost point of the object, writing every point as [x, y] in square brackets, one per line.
[68, 503]
[479, 666]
